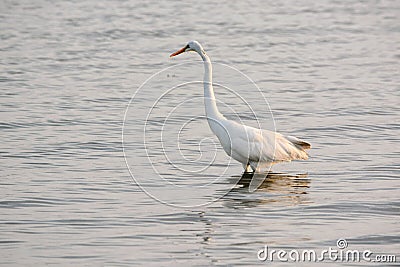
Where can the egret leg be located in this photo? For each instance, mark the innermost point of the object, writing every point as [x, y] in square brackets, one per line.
[247, 168]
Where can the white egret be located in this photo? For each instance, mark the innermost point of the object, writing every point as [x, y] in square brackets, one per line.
[256, 149]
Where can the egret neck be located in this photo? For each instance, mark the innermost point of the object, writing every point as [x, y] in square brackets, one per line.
[212, 112]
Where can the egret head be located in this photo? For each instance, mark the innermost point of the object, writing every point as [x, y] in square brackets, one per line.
[191, 46]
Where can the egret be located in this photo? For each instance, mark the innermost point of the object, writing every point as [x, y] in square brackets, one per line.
[256, 149]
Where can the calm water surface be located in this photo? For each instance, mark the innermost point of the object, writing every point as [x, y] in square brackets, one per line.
[329, 70]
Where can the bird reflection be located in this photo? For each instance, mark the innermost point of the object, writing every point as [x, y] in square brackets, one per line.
[275, 180]
[274, 188]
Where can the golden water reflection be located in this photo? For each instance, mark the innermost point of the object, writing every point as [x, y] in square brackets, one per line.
[274, 188]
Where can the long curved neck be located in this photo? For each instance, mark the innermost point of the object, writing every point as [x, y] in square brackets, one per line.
[210, 103]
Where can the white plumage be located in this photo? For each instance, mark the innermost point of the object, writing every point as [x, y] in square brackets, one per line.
[256, 149]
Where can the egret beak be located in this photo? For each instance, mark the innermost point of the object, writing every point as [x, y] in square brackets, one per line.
[178, 52]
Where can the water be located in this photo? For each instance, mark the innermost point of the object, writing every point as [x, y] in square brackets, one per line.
[329, 70]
